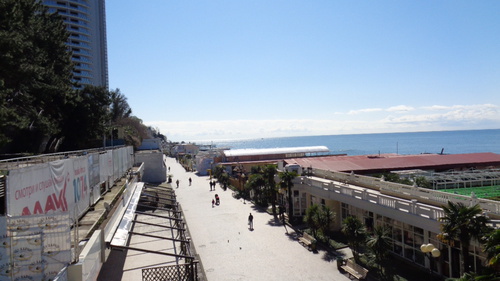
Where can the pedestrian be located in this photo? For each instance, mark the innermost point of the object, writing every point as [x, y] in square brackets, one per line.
[189, 181]
[282, 213]
[177, 182]
[213, 202]
[250, 221]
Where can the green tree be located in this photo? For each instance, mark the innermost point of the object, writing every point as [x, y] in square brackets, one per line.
[379, 244]
[325, 219]
[134, 131]
[224, 180]
[356, 234]
[268, 172]
[119, 106]
[35, 74]
[257, 182]
[218, 171]
[462, 223]
[312, 218]
[422, 182]
[492, 247]
[286, 181]
[85, 118]
[319, 217]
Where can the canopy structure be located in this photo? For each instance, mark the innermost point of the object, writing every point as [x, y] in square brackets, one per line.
[279, 150]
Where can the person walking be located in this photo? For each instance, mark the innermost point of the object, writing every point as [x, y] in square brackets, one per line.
[190, 181]
[250, 221]
[213, 202]
[177, 182]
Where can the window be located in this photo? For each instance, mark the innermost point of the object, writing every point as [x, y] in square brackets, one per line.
[397, 234]
[345, 211]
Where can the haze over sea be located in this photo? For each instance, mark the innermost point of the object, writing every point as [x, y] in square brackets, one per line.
[453, 142]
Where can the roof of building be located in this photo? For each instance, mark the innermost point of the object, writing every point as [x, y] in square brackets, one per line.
[279, 150]
[387, 162]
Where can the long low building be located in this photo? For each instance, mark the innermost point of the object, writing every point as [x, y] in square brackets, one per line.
[259, 154]
[370, 164]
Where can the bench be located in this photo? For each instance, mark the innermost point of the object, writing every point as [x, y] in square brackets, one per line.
[308, 241]
[355, 270]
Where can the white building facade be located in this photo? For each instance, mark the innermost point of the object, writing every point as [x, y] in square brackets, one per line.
[411, 213]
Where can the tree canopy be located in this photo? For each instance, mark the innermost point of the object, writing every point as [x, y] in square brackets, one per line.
[35, 73]
[41, 108]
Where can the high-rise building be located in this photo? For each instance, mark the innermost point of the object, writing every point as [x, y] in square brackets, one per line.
[86, 23]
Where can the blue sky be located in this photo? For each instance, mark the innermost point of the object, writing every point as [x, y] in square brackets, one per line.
[211, 70]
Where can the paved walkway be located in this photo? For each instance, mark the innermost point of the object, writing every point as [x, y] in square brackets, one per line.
[229, 250]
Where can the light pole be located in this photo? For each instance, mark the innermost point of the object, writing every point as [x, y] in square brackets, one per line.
[432, 251]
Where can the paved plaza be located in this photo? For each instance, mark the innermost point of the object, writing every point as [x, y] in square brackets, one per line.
[229, 250]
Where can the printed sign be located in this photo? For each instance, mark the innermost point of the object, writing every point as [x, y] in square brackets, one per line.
[59, 186]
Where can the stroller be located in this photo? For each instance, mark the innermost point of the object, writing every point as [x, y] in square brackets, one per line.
[217, 202]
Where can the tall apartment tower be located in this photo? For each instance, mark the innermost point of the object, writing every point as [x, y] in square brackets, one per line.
[86, 23]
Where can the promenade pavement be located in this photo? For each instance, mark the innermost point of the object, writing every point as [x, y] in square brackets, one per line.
[229, 250]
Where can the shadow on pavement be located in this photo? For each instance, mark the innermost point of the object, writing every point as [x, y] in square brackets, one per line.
[112, 269]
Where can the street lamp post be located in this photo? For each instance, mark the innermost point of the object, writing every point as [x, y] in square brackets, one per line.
[432, 251]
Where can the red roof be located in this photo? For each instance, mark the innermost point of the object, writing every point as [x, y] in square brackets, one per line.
[387, 162]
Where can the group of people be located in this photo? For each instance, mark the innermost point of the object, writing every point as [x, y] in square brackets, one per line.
[212, 185]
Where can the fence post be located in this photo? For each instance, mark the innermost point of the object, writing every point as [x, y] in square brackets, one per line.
[413, 206]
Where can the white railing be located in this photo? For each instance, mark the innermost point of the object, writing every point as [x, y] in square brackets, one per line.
[424, 195]
[399, 204]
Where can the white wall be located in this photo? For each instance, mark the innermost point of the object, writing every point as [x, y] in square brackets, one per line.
[155, 169]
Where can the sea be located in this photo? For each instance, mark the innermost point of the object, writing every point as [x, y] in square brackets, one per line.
[446, 142]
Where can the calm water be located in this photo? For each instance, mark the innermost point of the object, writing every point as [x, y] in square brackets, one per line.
[453, 142]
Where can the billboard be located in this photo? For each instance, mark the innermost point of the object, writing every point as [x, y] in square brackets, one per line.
[55, 187]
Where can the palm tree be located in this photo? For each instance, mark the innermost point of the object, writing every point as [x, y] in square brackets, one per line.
[218, 171]
[355, 232]
[268, 172]
[462, 223]
[224, 180]
[257, 182]
[119, 106]
[380, 244]
[325, 219]
[492, 247]
[312, 218]
[286, 178]
[319, 217]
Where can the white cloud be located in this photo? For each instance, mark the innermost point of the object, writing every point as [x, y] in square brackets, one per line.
[373, 120]
[473, 106]
[457, 113]
[400, 108]
[366, 110]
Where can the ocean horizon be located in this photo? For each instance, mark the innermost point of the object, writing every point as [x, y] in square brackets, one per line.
[448, 142]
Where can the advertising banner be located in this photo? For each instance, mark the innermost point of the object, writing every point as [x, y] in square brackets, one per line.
[116, 163]
[94, 177]
[106, 167]
[81, 187]
[59, 186]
